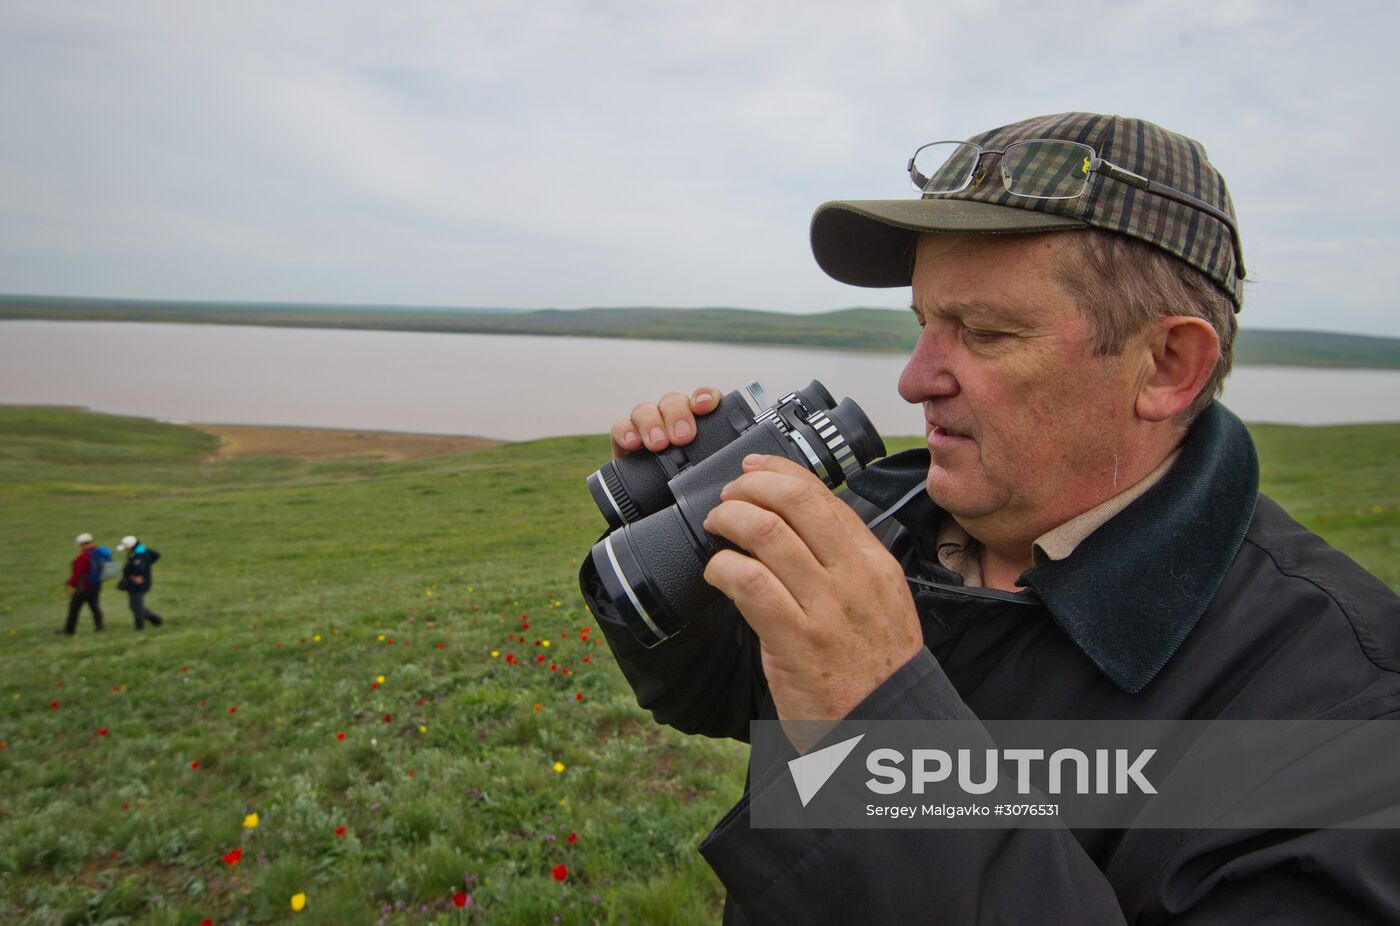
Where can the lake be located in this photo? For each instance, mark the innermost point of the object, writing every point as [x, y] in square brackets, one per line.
[502, 386]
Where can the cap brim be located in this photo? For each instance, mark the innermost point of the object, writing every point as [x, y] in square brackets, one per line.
[871, 242]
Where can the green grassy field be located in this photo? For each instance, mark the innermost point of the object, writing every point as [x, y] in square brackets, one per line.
[501, 743]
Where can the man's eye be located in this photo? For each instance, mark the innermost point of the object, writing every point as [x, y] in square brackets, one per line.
[982, 335]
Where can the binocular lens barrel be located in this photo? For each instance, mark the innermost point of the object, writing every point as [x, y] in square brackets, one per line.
[651, 567]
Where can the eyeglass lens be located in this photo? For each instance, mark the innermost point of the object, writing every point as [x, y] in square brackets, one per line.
[1040, 169]
[1046, 169]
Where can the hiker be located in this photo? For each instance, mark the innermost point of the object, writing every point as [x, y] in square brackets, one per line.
[1083, 534]
[136, 579]
[85, 583]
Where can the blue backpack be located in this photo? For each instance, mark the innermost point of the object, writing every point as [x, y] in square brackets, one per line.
[102, 567]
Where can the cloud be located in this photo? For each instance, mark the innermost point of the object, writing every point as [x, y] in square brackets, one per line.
[571, 153]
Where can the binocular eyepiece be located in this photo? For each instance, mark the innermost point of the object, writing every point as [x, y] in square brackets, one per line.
[651, 565]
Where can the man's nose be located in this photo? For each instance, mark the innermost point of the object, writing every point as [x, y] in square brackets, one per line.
[926, 374]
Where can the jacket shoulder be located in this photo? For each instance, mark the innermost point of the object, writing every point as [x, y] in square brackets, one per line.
[1299, 556]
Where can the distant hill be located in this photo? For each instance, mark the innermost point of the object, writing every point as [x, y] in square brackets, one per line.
[858, 328]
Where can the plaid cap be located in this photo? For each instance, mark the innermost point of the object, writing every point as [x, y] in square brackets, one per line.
[871, 242]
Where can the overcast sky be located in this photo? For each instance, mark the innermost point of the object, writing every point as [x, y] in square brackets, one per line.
[513, 154]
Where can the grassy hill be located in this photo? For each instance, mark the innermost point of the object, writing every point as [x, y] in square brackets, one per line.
[856, 329]
[424, 608]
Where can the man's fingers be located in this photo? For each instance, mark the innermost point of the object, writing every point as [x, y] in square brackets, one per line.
[704, 400]
[765, 603]
[650, 425]
[679, 421]
[772, 542]
[625, 437]
[657, 425]
[821, 521]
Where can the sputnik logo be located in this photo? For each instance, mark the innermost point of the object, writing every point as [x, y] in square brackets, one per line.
[813, 770]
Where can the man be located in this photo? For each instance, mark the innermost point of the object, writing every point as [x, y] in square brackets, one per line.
[1076, 278]
[84, 584]
[136, 580]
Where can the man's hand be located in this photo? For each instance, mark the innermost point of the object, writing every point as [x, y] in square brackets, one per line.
[657, 425]
[829, 603]
[138, 580]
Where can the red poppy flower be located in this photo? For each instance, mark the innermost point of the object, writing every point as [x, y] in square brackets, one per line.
[510, 636]
[422, 700]
[207, 922]
[184, 668]
[459, 899]
[524, 626]
[573, 838]
[560, 872]
[126, 807]
[233, 710]
[539, 707]
[587, 658]
[102, 732]
[444, 645]
[340, 735]
[539, 658]
[579, 696]
[388, 718]
[233, 857]
[115, 853]
[510, 658]
[116, 688]
[195, 765]
[373, 686]
[554, 667]
[340, 831]
[279, 645]
[53, 704]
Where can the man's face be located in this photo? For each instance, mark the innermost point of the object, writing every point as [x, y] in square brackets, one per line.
[1026, 425]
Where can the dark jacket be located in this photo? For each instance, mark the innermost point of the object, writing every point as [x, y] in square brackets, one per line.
[1200, 600]
[139, 563]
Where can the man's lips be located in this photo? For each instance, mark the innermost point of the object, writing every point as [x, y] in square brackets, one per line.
[940, 435]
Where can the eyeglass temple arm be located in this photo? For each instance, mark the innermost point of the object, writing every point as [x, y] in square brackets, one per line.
[920, 181]
[1123, 175]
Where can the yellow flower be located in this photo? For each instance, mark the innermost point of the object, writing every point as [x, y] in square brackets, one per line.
[316, 639]
[544, 643]
[422, 729]
[379, 679]
[428, 592]
[559, 767]
[495, 653]
[381, 638]
[250, 822]
[298, 902]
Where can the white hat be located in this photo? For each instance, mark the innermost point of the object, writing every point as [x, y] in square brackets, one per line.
[128, 543]
[84, 538]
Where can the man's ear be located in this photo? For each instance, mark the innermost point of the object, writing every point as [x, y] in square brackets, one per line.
[1185, 350]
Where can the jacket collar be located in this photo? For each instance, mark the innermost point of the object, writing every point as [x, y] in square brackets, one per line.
[1132, 591]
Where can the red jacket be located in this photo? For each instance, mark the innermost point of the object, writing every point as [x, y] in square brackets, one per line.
[81, 567]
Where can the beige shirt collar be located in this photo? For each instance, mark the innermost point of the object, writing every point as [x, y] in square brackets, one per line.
[961, 552]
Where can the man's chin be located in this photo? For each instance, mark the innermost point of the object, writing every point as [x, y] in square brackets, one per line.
[952, 494]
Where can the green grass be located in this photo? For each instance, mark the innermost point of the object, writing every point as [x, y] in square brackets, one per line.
[445, 557]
